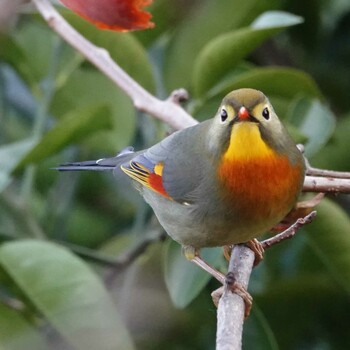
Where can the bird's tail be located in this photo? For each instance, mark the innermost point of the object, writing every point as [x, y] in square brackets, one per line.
[103, 164]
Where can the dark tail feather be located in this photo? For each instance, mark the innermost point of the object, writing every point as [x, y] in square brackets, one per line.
[104, 164]
[79, 167]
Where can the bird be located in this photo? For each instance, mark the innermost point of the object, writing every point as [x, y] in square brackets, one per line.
[224, 181]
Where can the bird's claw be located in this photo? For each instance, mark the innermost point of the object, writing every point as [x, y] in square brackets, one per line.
[236, 288]
[258, 250]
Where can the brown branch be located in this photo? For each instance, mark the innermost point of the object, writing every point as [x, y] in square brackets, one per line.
[325, 173]
[289, 232]
[167, 111]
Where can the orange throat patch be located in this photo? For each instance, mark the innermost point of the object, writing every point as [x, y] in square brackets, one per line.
[257, 181]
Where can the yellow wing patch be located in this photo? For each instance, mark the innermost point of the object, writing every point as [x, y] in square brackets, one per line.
[151, 179]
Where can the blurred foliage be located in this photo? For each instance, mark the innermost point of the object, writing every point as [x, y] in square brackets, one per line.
[60, 233]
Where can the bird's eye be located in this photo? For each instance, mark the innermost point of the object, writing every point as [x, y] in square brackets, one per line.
[266, 113]
[223, 115]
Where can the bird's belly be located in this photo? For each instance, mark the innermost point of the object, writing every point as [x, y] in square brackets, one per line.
[204, 227]
[250, 204]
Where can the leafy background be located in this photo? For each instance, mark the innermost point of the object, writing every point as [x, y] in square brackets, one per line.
[65, 278]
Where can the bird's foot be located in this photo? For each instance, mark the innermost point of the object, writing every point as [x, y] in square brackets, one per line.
[236, 288]
[258, 250]
[227, 251]
[253, 244]
[229, 280]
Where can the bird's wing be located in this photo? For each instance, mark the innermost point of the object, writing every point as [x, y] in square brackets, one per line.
[174, 167]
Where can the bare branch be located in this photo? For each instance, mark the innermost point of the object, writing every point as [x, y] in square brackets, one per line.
[289, 232]
[325, 173]
[167, 111]
[230, 314]
[326, 184]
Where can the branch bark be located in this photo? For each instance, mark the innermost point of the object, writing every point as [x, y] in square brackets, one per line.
[230, 313]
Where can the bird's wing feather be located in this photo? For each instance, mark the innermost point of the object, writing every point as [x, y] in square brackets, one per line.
[173, 167]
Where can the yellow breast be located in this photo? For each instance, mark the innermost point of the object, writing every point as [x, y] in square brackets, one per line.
[257, 181]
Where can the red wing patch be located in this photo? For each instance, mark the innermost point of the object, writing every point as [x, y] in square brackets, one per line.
[149, 178]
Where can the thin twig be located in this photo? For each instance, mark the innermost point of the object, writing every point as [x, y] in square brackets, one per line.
[324, 172]
[289, 232]
[167, 111]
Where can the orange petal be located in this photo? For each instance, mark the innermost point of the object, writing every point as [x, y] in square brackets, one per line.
[118, 15]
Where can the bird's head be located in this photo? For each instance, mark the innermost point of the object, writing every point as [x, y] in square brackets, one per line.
[247, 126]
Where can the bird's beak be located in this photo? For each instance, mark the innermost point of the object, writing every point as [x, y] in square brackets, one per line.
[243, 114]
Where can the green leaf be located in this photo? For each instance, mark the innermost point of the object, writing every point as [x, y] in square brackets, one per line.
[315, 121]
[276, 81]
[10, 156]
[17, 333]
[67, 293]
[335, 155]
[224, 52]
[205, 22]
[13, 54]
[184, 279]
[329, 236]
[87, 88]
[77, 125]
[37, 44]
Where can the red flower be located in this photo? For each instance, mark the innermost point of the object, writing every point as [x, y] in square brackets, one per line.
[119, 15]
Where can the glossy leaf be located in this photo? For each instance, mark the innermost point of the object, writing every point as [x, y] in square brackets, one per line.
[335, 155]
[13, 54]
[184, 279]
[72, 128]
[315, 121]
[329, 236]
[207, 20]
[37, 44]
[67, 293]
[119, 15]
[224, 52]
